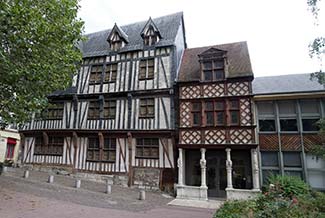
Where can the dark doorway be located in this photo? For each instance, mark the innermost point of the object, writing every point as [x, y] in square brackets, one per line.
[241, 169]
[216, 173]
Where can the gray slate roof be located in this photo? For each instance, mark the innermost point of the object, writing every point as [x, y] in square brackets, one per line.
[293, 83]
[168, 25]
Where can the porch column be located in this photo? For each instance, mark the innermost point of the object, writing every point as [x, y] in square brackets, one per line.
[229, 169]
[203, 164]
[180, 165]
[255, 169]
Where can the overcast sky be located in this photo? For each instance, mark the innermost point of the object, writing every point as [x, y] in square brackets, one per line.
[277, 31]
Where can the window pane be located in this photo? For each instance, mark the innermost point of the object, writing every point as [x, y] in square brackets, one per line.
[288, 125]
[147, 141]
[219, 105]
[287, 107]
[267, 125]
[196, 118]
[310, 124]
[234, 116]
[269, 159]
[196, 106]
[112, 155]
[234, 104]
[146, 152]
[309, 106]
[209, 118]
[293, 173]
[207, 65]
[220, 118]
[208, 75]
[291, 159]
[155, 152]
[139, 151]
[209, 106]
[219, 64]
[140, 141]
[265, 108]
[219, 74]
[143, 110]
[150, 110]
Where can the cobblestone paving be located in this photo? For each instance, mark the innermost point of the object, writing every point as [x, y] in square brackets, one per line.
[41, 199]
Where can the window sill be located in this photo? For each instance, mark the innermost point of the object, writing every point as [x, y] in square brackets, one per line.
[47, 154]
[146, 79]
[140, 157]
[101, 161]
[97, 83]
[107, 82]
[146, 117]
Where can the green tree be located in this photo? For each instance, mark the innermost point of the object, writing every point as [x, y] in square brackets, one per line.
[38, 53]
[317, 46]
[317, 50]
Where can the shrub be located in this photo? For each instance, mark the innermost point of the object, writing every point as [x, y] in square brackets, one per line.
[288, 186]
[287, 197]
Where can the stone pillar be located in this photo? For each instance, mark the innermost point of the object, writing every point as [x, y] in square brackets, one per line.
[180, 167]
[229, 169]
[255, 169]
[203, 164]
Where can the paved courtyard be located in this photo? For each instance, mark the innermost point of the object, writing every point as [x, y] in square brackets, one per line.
[34, 197]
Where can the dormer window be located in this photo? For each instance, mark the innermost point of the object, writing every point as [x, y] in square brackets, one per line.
[213, 70]
[213, 64]
[151, 37]
[150, 33]
[117, 38]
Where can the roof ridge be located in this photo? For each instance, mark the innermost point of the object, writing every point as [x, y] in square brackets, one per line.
[295, 74]
[137, 22]
[224, 44]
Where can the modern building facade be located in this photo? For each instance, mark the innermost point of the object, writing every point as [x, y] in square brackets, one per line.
[287, 109]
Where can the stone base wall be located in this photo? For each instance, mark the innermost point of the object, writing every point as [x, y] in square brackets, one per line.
[146, 178]
[241, 194]
[192, 192]
[121, 180]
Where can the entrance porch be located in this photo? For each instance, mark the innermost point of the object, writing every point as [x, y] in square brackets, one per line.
[212, 173]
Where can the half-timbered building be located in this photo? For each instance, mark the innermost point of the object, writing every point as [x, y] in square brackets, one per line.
[217, 146]
[287, 110]
[117, 118]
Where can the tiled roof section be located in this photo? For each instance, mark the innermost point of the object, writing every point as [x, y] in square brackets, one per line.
[294, 83]
[168, 26]
[239, 64]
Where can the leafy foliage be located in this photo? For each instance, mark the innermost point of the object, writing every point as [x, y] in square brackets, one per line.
[38, 53]
[284, 197]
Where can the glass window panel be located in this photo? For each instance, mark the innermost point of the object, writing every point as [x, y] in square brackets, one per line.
[219, 64]
[208, 76]
[309, 106]
[105, 155]
[140, 141]
[196, 119]
[151, 62]
[196, 106]
[265, 108]
[143, 110]
[155, 142]
[267, 174]
[291, 159]
[207, 65]
[234, 117]
[267, 125]
[220, 118]
[150, 110]
[140, 152]
[112, 155]
[146, 152]
[289, 125]
[270, 159]
[209, 118]
[219, 74]
[147, 141]
[310, 124]
[155, 152]
[234, 104]
[219, 105]
[293, 173]
[209, 106]
[287, 107]
[150, 101]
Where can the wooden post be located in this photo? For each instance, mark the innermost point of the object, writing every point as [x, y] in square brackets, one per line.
[75, 145]
[50, 179]
[142, 195]
[78, 183]
[26, 174]
[130, 174]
